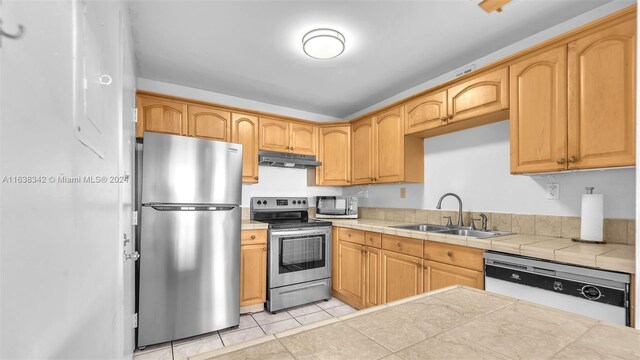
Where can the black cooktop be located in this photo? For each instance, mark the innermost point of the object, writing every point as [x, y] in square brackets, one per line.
[294, 223]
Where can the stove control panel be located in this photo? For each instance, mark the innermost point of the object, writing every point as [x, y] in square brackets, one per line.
[279, 203]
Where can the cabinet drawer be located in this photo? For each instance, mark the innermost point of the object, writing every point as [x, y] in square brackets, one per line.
[253, 237]
[402, 245]
[462, 256]
[351, 235]
[373, 239]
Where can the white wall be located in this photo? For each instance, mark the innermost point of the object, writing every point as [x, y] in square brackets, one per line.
[218, 98]
[474, 164]
[285, 182]
[61, 251]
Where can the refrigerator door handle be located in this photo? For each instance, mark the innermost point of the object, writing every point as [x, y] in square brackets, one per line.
[189, 207]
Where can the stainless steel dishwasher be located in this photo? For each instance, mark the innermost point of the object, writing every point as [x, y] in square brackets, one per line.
[600, 294]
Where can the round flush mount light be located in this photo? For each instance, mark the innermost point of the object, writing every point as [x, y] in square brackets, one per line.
[323, 43]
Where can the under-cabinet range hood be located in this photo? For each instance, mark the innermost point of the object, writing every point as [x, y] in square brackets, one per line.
[287, 160]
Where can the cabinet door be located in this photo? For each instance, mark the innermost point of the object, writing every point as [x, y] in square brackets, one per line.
[351, 273]
[539, 113]
[372, 277]
[253, 274]
[274, 135]
[389, 146]
[437, 276]
[245, 131]
[426, 112]
[602, 98]
[334, 151]
[303, 139]
[479, 96]
[161, 115]
[209, 123]
[335, 258]
[362, 151]
[401, 276]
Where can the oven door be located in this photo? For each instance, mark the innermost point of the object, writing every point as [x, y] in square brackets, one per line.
[299, 255]
[332, 205]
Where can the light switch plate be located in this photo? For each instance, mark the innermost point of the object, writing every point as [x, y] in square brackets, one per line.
[403, 193]
[553, 191]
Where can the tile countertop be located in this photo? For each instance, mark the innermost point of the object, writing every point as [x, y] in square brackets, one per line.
[253, 225]
[617, 257]
[456, 322]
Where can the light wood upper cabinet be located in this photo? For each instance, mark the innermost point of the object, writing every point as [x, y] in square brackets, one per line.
[401, 276]
[478, 96]
[538, 86]
[334, 151]
[437, 276]
[303, 139]
[244, 131]
[426, 112]
[388, 146]
[362, 151]
[274, 135]
[602, 97]
[209, 123]
[351, 273]
[161, 115]
[372, 258]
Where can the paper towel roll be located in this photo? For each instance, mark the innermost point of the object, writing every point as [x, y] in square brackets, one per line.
[592, 217]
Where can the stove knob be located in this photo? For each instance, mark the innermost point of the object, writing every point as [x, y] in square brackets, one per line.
[265, 202]
[298, 202]
[304, 202]
[259, 202]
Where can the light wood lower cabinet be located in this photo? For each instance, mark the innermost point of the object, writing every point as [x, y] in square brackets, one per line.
[372, 262]
[401, 276]
[371, 268]
[438, 275]
[253, 267]
[351, 273]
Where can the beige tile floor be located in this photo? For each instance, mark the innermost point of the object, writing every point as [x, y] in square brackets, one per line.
[251, 326]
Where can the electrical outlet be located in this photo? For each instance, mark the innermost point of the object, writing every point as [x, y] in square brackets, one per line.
[553, 191]
[403, 193]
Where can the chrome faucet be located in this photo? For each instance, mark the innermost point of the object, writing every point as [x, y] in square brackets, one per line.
[439, 206]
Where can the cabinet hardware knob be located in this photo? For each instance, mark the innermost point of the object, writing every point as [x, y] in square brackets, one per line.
[572, 159]
[264, 248]
[560, 161]
[253, 237]
[450, 116]
[449, 253]
[399, 244]
[349, 235]
[291, 148]
[256, 178]
[287, 147]
[443, 119]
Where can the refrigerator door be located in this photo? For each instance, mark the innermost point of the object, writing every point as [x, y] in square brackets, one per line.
[189, 271]
[180, 169]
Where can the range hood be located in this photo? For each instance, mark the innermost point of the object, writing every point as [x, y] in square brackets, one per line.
[286, 160]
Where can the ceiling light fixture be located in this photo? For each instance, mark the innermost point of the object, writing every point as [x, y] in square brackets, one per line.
[323, 43]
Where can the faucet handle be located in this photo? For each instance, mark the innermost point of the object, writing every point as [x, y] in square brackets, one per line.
[484, 221]
[449, 223]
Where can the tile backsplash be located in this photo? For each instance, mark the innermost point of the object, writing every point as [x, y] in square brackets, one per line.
[620, 231]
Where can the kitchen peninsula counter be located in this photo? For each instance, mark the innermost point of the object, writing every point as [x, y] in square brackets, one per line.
[456, 322]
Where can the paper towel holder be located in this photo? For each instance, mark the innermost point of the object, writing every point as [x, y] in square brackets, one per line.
[589, 191]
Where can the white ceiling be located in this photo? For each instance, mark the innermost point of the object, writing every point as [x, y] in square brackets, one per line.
[252, 49]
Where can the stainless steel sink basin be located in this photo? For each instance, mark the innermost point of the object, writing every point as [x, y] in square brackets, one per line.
[461, 231]
[423, 227]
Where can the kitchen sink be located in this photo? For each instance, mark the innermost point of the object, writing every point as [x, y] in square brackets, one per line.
[423, 227]
[456, 230]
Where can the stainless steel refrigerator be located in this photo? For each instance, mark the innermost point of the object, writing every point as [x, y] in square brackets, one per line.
[189, 271]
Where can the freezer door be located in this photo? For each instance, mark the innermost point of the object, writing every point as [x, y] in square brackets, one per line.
[180, 169]
[189, 271]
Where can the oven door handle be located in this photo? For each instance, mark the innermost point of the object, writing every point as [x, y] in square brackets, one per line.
[314, 231]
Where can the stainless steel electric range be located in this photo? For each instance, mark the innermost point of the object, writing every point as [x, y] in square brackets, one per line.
[299, 252]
